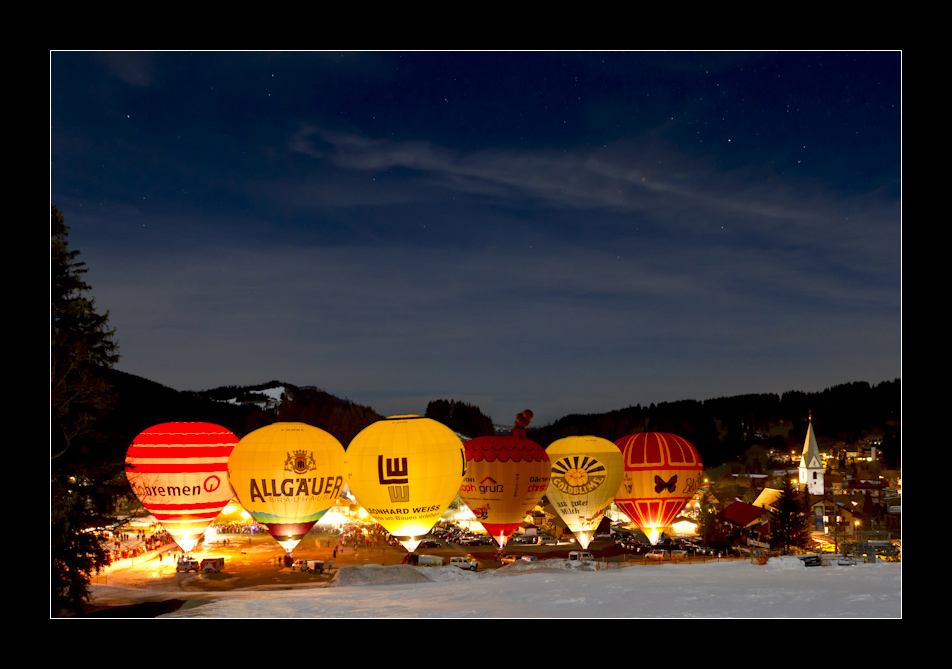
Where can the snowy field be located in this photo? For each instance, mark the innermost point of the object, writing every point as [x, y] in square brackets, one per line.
[783, 588]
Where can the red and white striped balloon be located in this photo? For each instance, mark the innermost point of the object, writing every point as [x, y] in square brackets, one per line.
[662, 474]
[179, 471]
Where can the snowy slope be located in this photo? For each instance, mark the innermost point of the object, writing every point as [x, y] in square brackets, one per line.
[783, 588]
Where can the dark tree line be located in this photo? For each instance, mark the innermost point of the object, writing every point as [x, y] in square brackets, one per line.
[724, 429]
[84, 478]
[341, 418]
[460, 417]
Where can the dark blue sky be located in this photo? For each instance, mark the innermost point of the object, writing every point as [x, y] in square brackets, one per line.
[567, 232]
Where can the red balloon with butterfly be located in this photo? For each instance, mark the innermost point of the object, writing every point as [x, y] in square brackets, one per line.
[662, 474]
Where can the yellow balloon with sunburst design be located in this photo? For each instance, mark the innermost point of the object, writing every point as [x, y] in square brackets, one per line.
[586, 473]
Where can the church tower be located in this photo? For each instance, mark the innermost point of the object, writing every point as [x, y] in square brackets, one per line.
[811, 464]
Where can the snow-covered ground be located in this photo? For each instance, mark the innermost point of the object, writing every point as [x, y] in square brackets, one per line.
[783, 588]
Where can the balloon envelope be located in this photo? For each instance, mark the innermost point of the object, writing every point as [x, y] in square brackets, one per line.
[506, 475]
[405, 471]
[179, 473]
[586, 474]
[662, 474]
[287, 475]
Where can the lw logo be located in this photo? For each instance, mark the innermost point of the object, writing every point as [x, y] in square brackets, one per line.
[394, 473]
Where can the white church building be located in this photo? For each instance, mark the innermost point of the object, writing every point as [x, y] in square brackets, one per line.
[811, 464]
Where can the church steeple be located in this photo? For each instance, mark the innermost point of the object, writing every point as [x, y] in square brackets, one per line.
[811, 464]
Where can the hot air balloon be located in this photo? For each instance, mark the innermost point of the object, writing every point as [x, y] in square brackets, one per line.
[586, 474]
[662, 473]
[287, 475]
[506, 475]
[179, 473]
[405, 471]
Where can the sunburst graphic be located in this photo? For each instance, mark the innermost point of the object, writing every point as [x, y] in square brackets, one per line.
[578, 470]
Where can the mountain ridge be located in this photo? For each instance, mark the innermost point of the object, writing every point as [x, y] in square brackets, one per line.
[721, 428]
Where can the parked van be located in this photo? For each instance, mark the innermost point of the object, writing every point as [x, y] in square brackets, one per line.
[423, 560]
[213, 564]
[464, 563]
[311, 565]
[583, 556]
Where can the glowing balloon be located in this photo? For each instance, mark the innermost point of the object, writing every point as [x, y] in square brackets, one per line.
[506, 475]
[178, 471]
[287, 475]
[662, 473]
[586, 474]
[405, 471]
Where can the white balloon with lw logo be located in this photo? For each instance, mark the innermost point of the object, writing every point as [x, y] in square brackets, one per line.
[405, 471]
[586, 473]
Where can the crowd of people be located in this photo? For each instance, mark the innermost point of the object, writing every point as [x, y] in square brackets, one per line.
[237, 528]
[124, 544]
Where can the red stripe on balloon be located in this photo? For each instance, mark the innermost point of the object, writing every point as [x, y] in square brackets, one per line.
[210, 505]
[156, 438]
[175, 467]
[216, 451]
[179, 517]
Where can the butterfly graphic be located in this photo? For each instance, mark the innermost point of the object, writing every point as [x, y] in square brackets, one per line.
[661, 486]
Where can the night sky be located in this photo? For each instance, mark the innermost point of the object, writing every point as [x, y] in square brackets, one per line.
[566, 232]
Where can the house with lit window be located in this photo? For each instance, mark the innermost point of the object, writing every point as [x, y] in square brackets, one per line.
[833, 514]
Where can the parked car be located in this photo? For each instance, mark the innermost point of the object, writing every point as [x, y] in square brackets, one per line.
[583, 556]
[656, 554]
[430, 543]
[464, 562]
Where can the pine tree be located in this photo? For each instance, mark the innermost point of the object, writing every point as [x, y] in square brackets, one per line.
[81, 347]
[788, 521]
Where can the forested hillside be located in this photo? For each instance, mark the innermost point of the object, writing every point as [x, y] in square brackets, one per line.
[142, 403]
[723, 428]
